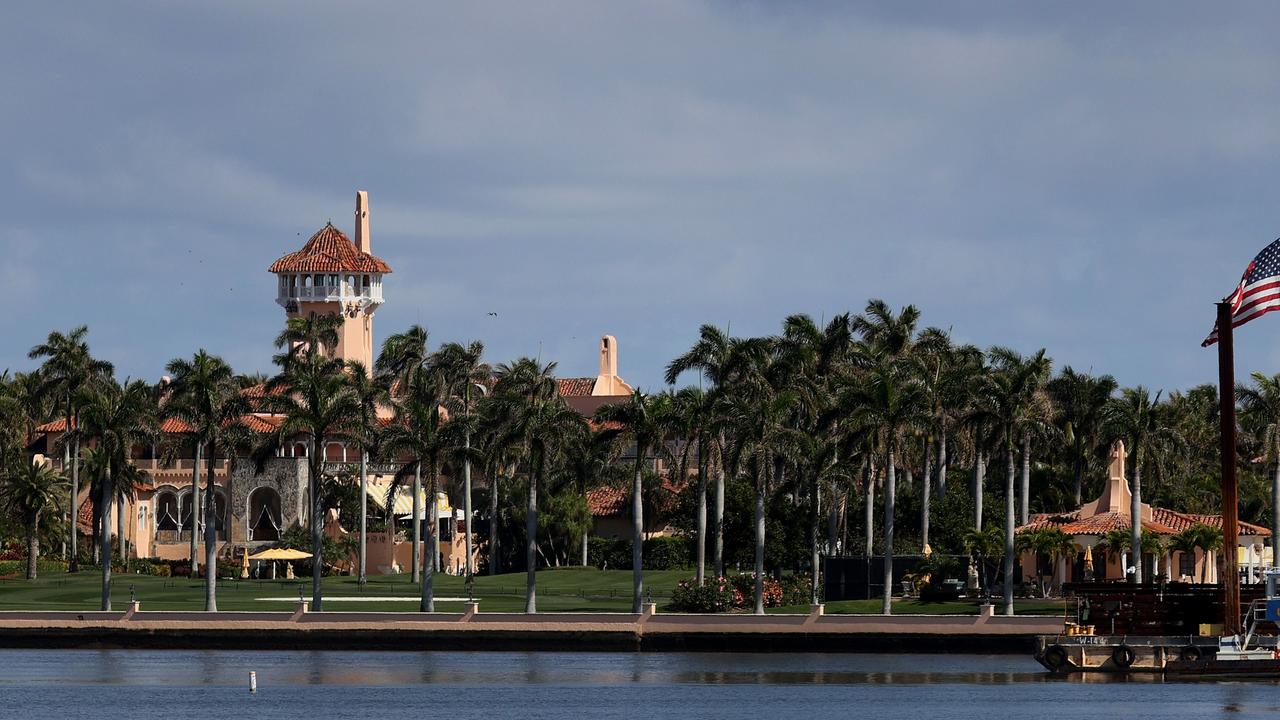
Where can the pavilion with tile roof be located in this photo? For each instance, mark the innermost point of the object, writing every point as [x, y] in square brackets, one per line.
[1088, 524]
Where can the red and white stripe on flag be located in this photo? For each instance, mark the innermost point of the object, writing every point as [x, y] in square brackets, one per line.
[1258, 292]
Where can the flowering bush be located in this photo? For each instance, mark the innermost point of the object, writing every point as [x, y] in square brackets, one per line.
[796, 589]
[715, 595]
[744, 586]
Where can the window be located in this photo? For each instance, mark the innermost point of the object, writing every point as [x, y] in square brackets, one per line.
[1187, 564]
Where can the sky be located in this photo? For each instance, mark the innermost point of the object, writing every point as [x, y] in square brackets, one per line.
[1084, 178]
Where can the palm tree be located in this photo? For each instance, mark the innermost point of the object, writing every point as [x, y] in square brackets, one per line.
[366, 429]
[642, 422]
[1048, 541]
[68, 366]
[1136, 417]
[466, 374]
[535, 417]
[987, 544]
[416, 435]
[889, 402]
[1081, 400]
[117, 417]
[720, 359]
[205, 395]
[403, 355]
[314, 399]
[1261, 406]
[690, 420]
[1208, 539]
[30, 489]
[1185, 542]
[1116, 542]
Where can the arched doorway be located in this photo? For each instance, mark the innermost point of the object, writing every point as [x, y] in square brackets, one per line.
[264, 514]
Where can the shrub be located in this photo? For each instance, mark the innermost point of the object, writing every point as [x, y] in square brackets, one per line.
[660, 553]
[744, 587]
[716, 595]
[611, 553]
[796, 589]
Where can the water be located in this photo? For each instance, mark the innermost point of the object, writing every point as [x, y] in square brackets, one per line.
[146, 685]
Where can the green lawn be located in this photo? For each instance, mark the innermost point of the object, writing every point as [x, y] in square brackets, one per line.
[565, 590]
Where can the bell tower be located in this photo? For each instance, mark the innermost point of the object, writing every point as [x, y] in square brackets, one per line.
[333, 275]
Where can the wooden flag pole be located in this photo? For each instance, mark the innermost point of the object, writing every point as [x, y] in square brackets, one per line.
[1230, 491]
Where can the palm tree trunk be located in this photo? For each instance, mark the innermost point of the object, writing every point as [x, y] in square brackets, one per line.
[815, 513]
[926, 489]
[833, 519]
[364, 520]
[889, 491]
[1026, 478]
[105, 538]
[121, 540]
[637, 533]
[317, 524]
[531, 535]
[979, 486]
[585, 547]
[1135, 519]
[718, 518]
[493, 522]
[211, 536]
[33, 544]
[701, 550]
[1079, 475]
[869, 483]
[942, 460]
[195, 509]
[75, 494]
[1275, 515]
[1008, 532]
[428, 601]
[759, 566]
[466, 501]
[416, 552]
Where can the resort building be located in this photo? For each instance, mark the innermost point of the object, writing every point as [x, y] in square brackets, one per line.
[1089, 525]
[330, 274]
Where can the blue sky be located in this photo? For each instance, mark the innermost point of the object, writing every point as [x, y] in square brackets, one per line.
[1081, 178]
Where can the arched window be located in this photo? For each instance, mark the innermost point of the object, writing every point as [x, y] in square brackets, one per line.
[167, 512]
[184, 516]
[265, 520]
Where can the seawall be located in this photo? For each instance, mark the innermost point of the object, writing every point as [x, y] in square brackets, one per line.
[622, 632]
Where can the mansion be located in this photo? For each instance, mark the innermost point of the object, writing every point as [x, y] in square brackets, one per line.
[330, 274]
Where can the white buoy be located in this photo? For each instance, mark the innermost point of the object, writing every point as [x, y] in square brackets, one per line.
[253, 681]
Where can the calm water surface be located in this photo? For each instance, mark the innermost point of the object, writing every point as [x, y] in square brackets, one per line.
[146, 685]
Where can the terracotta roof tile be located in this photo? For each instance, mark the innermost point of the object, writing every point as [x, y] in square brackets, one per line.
[329, 250]
[575, 387]
[606, 501]
[1163, 522]
[1180, 521]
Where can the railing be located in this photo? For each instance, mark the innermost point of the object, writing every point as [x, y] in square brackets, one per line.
[329, 292]
[330, 467]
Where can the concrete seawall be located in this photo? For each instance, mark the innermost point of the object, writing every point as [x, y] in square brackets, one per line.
[512, 631]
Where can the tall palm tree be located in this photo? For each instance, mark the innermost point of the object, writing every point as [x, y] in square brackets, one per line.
[889, 402]
[466, 377]
[205, 395]
[67, 368]
[720, 359]
[366, 429]
[402, 356]
[416, 436]
[117, 417]
[642, 422]
[534, 416]
[1135, 416]
[1261, 405]
[690, 420]
[30, 490]
[1081, 401]
[314, 399]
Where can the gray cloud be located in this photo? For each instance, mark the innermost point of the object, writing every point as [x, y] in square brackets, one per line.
[1086, 179]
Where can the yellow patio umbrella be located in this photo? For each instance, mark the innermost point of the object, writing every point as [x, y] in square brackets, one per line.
[280, 554]
[244, 564]
[1088, 557]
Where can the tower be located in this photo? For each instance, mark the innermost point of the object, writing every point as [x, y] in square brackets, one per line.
[333, 275]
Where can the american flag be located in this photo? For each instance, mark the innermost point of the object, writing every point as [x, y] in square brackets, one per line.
[1258, 292]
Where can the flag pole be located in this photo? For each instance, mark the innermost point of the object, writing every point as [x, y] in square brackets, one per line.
[1227, 450]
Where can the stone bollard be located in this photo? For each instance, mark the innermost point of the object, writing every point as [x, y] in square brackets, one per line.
[986, 610]
[472, 609]
[649, 609]
[818, 610]
[134, 607]
[302, 608]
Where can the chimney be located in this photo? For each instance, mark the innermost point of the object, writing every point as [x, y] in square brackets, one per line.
[608, 356]
[362, 221]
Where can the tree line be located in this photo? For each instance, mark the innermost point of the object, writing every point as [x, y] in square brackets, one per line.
[777, 449]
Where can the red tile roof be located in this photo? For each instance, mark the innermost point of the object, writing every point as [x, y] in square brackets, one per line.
[1163, 522]
[607, 501]
[576, 387]
[329, 251]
